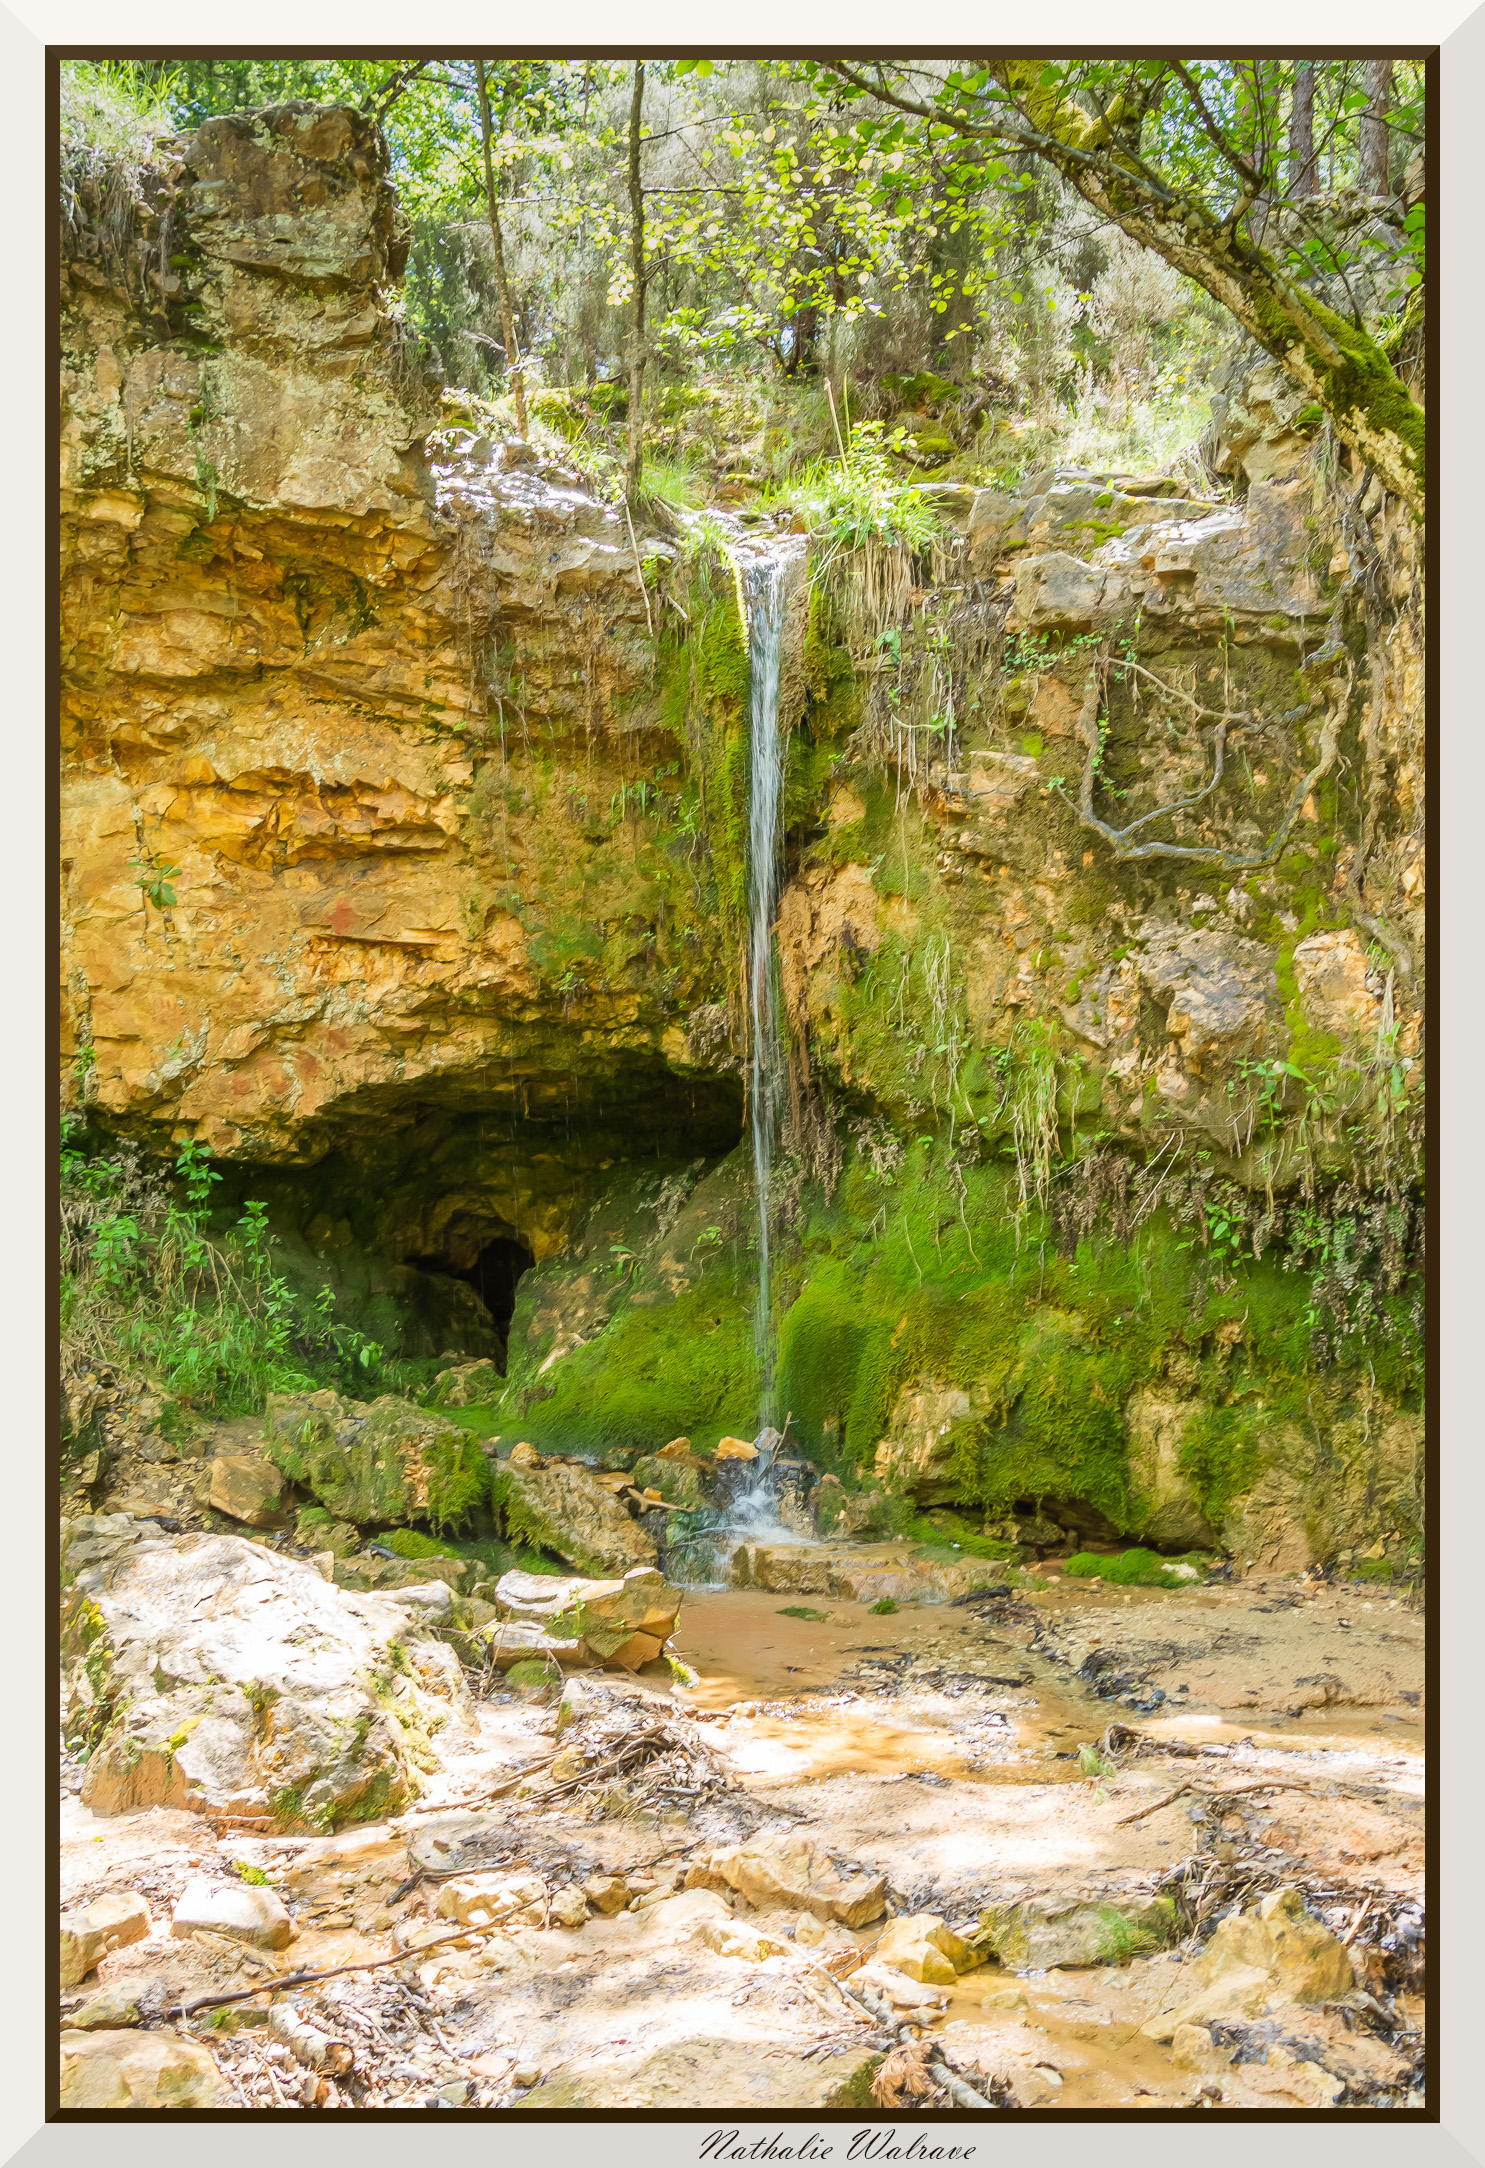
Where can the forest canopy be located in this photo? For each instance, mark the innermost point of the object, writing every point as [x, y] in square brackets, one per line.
[1056, 248]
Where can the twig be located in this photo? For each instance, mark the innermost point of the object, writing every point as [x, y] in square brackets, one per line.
[281, 1981]
[1155, 1806]
[1229, 1791]
[963, 2096]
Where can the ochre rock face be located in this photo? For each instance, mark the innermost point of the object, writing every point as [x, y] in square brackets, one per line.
[281, 625]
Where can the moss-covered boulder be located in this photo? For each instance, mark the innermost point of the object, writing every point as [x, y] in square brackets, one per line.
[1034, 1936]
[680, 1482]
[468, 1385]
[386, 1462]
[564, 1508]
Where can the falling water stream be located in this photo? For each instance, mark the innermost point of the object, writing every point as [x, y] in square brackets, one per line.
[766, 581]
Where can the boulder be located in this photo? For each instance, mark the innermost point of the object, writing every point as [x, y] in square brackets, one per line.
[732, 1938]
[1273, 1954]
[82, 1946]
[735, 1449]
[478, 1900]
[1335, 984]
[149, 2070]
[389, 1463]
[1218, 990]
[120, 1917]
[121, 2003]
[862, 1573]
[787, 1873]
[624, 1621]
[564, 1508]
[608, 1893]
[899, 1988]
[1284, 1939]
[569, 1908]
[468, 1385]
[225, 1677]
[992, 516]
[677, 1479]
[1193, 2048]
[1165, 1508]
[513, 1643]
[363, 1570]
[315, 1526]
[922, 1946]
[1034, 1936]
[1243, 1991]
[243, 1911]
[248, 1488]
[751, 2076]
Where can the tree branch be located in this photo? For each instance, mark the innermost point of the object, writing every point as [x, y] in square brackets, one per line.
[1120, 840]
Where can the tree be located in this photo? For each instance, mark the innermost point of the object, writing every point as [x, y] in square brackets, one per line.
[497, 242]
[634, 468]
[1181, 156]
[1372, 176]
[1302, 173]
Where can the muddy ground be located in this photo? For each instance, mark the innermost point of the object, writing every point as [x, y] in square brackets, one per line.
[1001, 1750]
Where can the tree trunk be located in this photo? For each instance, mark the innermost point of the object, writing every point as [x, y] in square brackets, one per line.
[502, 282]
[1302, 175]
[1372, 176]
[804, 325]
[635, 469]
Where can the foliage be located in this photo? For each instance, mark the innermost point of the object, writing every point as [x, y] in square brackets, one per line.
[787, 246]
[1186, 159]
[149, 1284]
[110, 119]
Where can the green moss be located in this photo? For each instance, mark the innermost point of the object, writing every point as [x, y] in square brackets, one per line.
[1129, 1569]
[802, 1610]
[1220, 1457]
[942, 1526]
[883, 1607]
[686, 1366]
[412, 1543]
[1121, 1938]
[376, 1477]
[856, 2093]
[386, 1793]
[288, 1810]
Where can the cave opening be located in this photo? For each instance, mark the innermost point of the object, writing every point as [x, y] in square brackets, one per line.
[494, 1277]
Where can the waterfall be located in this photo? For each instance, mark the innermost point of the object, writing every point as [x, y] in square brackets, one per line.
[766, 582]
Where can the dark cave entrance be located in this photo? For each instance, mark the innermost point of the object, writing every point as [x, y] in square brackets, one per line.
[494, 1276]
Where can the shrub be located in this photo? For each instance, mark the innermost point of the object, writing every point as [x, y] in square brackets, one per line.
[146, 1287]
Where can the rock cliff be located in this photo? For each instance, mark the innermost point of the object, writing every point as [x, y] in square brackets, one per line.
[403, 864]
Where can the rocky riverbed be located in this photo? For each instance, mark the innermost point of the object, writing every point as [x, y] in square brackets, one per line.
[821, 1854]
